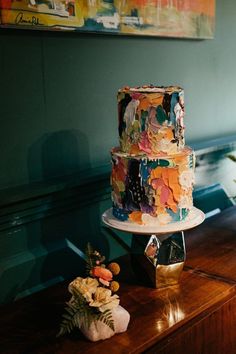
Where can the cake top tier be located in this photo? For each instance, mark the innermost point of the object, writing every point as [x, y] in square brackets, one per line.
[151, 120]
[151, 89]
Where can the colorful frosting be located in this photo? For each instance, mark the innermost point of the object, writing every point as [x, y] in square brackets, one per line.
[151, 120]
[152, 171]
[152, 191]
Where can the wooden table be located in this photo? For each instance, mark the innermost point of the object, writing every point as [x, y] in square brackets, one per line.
[196, 316]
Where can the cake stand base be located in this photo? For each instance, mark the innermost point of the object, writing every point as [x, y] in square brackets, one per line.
[158, 260]
[157, 252]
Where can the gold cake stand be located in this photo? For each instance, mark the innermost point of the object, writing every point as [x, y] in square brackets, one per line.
[157, 252]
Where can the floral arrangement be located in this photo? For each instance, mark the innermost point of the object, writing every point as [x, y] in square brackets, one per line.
[92, 298]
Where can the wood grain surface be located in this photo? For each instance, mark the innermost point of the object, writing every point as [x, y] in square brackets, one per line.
[196, 316]
[211, 248]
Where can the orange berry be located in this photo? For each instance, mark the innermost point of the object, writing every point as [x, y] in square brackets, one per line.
[114, 286]
[114, 268]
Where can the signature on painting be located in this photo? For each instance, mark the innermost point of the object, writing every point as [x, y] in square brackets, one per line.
[21, 19]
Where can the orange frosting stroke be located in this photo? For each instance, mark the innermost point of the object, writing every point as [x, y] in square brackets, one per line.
[136, 216]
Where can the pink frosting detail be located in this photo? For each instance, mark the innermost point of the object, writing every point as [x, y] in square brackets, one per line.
[165, 192]
[157, 182]
[135, 96]
[153, 124]
[144, 143]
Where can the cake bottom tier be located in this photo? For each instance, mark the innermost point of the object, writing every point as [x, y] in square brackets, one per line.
[151, 190]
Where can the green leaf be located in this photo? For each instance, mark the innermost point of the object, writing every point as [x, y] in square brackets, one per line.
[89, 260]
[106, 317]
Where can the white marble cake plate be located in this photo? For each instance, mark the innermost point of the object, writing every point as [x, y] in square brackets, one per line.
[195, 218]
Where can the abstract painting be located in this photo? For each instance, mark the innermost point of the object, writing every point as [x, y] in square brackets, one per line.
[166, 18]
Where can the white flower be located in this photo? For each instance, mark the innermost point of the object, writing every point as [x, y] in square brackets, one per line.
[103, 299]
[85, 286]
[186, 179]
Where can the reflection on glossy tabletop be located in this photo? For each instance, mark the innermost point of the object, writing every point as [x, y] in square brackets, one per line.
[154, 314]
[197, 316]
[212, 247]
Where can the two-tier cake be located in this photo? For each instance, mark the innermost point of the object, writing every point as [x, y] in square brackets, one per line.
[152, 170]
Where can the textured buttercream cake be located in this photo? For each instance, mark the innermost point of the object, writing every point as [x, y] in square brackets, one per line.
[152, 170]
[151, 120]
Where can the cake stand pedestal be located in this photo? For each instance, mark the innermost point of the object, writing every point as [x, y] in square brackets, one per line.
[157, 252]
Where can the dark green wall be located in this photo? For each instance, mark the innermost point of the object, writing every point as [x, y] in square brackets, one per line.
[59, 121]
[58, 93]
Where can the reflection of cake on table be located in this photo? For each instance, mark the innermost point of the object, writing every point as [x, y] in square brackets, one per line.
[152, 170]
